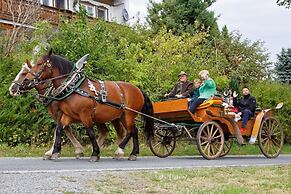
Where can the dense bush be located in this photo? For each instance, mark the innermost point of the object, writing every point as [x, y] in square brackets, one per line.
[133, 54]
[268, 95]
[22, 119]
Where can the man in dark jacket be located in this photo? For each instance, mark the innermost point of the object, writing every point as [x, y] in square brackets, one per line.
[181, 89]
[246, 105]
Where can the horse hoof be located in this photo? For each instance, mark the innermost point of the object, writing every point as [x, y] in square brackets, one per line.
[55, 156]
[94, 158]
[132, 158]
[47, 157]
[119, 153]
[79, 156]
[118, 156]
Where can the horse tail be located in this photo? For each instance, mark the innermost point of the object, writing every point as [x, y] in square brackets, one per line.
[149, 122]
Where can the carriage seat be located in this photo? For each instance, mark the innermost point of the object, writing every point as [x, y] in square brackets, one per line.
[215, 100]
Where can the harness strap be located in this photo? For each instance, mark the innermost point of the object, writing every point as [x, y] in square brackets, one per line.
[103, 91]
[121, 94]
[99, 99]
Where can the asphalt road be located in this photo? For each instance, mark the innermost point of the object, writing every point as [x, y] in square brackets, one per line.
[37, 165]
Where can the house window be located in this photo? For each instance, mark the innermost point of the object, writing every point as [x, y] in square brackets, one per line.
[90, 10]
[60, 4]
[46, 2]
[101, 13]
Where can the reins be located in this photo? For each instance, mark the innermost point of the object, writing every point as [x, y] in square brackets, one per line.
[54, 78]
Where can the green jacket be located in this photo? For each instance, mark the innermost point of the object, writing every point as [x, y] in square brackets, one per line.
[207, 89]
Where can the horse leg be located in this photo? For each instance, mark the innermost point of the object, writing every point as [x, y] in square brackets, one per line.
[58, 141]
[135, 149]
[96, 151]
[128, 121]
[79, 150]
[48, 154]
[119, 128]
[103, 133]
[119, 152]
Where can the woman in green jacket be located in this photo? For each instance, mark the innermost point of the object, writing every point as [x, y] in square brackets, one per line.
[206, 90]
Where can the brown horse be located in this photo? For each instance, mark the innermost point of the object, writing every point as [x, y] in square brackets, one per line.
[15, 89]
[123, 100]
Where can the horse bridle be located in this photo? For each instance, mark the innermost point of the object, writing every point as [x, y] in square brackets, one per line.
[37, 76]
[21, 84]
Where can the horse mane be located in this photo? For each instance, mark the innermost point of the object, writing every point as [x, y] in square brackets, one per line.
[63, 65]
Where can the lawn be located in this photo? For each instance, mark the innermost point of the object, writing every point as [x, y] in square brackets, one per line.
[182, 149]
[275, 179]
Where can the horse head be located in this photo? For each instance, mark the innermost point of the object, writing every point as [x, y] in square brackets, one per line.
[16, 88]
[45, 68]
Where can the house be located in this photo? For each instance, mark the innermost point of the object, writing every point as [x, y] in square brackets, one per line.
[109, 10]
[51, 10]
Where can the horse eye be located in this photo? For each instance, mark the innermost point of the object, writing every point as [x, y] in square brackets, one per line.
[25, 80]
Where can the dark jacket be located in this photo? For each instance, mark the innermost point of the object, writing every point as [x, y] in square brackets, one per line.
[246, 102]
[182, 88]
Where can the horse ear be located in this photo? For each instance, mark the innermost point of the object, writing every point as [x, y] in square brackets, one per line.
[28, 63]
[50, 52]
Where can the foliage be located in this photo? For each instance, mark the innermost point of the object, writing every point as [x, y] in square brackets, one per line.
[181, 16]
[149, 60]
[286, 3]
[268, 95]
[283, 66]
[22, 120]
[245, 60]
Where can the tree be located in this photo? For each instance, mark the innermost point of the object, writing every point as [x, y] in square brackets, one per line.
[181, 16]
[23, 13]
[283, 66]
[246, 61]
[286, 3]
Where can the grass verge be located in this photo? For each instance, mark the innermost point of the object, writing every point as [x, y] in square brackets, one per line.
[275, 179]
[182, 149]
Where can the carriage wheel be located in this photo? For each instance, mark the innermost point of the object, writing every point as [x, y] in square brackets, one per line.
[163, 142]
[210, 140]
[271, 137]
[226, 147]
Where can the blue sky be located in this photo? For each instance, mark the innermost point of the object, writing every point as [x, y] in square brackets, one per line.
[255, 20]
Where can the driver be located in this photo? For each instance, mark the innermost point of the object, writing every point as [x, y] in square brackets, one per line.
[182, 89]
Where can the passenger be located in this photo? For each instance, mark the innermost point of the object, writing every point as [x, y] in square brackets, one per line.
[206, 90]
[181, 89]
[195, 94]
[246, 106]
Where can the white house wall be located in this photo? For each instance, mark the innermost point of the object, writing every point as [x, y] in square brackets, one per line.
[115, 11]
[71, 5]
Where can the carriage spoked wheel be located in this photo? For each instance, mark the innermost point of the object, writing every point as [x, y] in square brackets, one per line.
[210, 140]
[226, 147]
[271, 137]
[163, 142]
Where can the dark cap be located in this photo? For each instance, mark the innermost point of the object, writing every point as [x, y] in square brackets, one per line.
[182, 73]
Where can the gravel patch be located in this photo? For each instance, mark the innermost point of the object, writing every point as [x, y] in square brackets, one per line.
[75, 182]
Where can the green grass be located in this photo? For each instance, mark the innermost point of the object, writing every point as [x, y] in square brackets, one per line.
[275, 179]
[182, 149]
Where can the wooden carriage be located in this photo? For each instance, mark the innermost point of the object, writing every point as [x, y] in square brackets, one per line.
[213, 128]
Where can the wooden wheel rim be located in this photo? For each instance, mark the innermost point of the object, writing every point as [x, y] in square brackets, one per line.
[226, 147]
[162, 144]
[271, 137]
[210, 140]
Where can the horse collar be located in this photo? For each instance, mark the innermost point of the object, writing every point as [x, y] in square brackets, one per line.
[71, 83]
